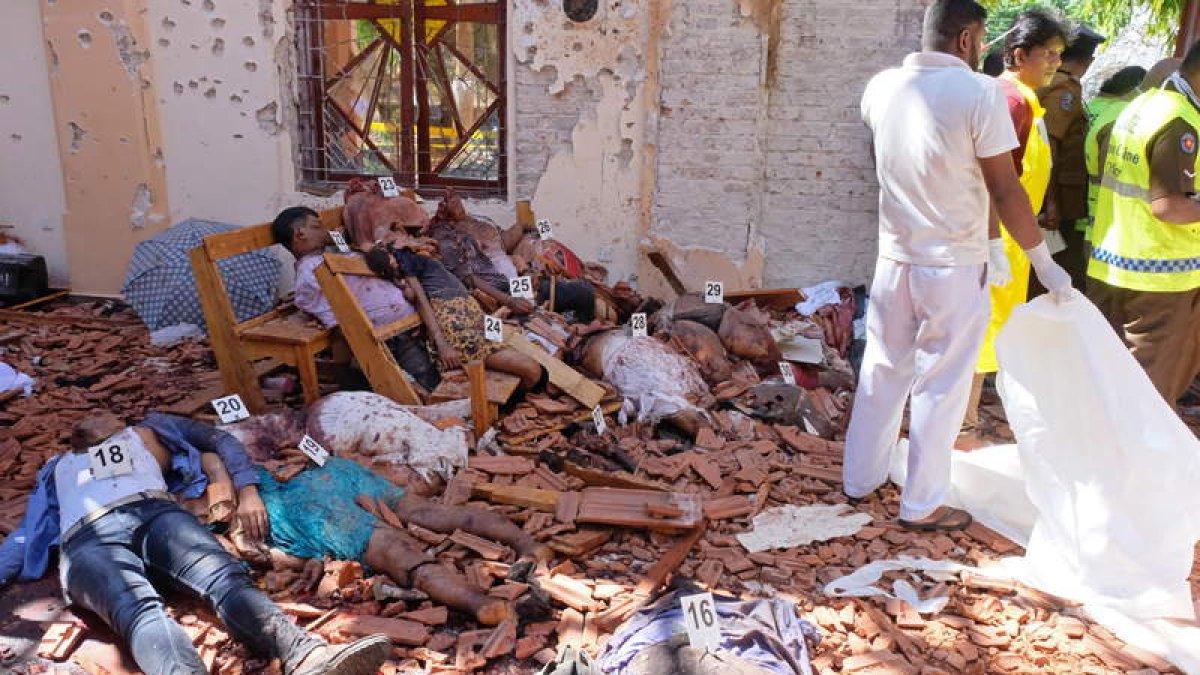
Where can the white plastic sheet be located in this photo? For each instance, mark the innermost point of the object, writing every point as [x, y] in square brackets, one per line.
[1113, 472]
[11, 378]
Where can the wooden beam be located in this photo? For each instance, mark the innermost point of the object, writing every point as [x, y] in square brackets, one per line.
[530, 498]
[664, 266]
[562, 376]
[481, 409]
[654, 579]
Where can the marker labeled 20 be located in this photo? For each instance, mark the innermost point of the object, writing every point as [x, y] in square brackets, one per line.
[700, 620]
[230, 408]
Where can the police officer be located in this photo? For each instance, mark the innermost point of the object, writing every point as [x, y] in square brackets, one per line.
[1066, 122]
[1144, 272]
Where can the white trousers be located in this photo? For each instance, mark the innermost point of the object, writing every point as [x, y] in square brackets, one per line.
[925, 326]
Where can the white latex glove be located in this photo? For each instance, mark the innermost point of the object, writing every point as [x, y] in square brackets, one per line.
[1051, 274]
[999, 271]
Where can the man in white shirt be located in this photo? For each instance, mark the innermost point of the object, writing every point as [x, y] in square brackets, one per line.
[942, 139]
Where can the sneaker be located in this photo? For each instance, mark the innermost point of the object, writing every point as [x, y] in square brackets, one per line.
[361, 657]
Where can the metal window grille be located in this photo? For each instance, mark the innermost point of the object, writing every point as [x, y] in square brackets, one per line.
[412, 89]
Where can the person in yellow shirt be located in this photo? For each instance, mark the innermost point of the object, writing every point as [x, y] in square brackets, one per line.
[1032, 54]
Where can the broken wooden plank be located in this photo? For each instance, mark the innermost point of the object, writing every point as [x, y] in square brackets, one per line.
[616, 506]
[654, 579]
[664, 266]
[561, 375]
[530, 498]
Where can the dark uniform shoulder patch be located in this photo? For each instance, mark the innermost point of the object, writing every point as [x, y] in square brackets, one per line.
[1067, 100]
[1187, 143]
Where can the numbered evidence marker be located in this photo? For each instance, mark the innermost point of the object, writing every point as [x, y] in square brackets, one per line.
[339, 241]
[314, 450]
[700, 620]
[493, 328]
[109, 460]
[521, 287]
[387, 185]
[230, 408]
[638, 326]
[598, 420]
[544, 230]
[714, 292]
[789, 375]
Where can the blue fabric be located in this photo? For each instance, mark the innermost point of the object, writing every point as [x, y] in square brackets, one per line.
[25, 553]
[160, 286]
[314, 514]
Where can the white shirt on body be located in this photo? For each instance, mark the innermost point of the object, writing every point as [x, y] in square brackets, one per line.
[933, 119]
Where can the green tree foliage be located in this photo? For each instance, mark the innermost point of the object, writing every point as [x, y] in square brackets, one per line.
[1107, 16]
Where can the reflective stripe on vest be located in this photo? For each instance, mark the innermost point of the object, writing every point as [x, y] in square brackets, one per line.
[1133, 249]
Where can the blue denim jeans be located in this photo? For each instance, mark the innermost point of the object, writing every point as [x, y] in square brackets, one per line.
[108, 565]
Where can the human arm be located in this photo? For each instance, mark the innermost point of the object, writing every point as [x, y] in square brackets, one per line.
[308, 295]
[449, 357]
[1173, 175]
[511, 238]
[1013, 207]
[517, 305]
[180, 434]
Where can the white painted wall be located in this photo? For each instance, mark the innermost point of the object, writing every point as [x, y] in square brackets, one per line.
[31, 177]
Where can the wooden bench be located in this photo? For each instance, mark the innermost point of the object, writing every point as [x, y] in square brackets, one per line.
[285, 333]
[367, 342]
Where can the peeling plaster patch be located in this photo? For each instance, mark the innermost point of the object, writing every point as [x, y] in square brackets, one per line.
[85, 39]
[268, 118]
[608, 42]
[266, 18]
[77, 135]
[250, 66]
[218, 47]
[143, 199]
[127, 48]
[768, 16]
[105, 17]
[697, 265]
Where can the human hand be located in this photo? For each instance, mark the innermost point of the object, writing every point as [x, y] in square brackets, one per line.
[1051, 274]
[1050, 219]
[999, 270]
[451, 360]
[252, 514]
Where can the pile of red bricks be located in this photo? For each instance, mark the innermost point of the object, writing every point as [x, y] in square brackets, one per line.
[85, 357]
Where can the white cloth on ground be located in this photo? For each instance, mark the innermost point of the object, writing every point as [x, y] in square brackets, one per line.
[924, 329]
[11, 378]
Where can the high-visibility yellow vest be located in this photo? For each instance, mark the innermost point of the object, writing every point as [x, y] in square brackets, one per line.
[1035, 178]
[1131, 248]
[1102, 113]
